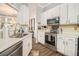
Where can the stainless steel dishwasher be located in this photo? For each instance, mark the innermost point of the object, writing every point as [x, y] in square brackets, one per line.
[15, 50]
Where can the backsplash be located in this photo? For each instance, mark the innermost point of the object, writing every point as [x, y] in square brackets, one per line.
[71, 30]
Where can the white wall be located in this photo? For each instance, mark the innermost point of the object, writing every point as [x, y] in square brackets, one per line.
[7, 10]
[34, 12]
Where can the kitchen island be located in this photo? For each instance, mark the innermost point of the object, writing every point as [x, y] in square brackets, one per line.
[27, 44]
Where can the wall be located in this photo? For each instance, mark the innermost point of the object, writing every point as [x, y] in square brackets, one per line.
[71, 30]
[34, 12]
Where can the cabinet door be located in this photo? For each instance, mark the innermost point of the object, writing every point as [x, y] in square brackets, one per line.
[70, 48]
[55, 11]
[72, 17]
[77, 12]
[63, 14]
[44, 19]
[49, 14]
[27, 44]
[26, 47]
[60, 44]
[23, 15]
[41, 37]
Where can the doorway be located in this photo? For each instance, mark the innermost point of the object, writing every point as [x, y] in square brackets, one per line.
[32, 26]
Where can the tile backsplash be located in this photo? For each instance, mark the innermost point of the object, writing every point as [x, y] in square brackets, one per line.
[71, 30]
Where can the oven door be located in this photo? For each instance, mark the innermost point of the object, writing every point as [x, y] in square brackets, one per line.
[50, 39]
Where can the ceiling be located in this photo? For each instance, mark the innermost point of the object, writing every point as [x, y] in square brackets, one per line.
[42, 5]
[45, 6]
[12, 7]
[5, 9]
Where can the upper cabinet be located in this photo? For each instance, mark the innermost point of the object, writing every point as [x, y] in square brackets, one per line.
[73, 13]
[23, 15]
[54, 12]
[69, 13]
[63, 13]
[44, 18]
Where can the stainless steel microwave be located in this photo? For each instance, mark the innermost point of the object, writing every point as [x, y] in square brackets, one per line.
[53, 21]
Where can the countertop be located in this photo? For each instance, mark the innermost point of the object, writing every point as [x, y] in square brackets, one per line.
[4, 44]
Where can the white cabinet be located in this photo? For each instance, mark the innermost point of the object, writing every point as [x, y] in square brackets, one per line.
[41, 37]
[72, 17]
[27, 44]
[63, 13]
[23, 15]
[44, 19]
[66, 45]
[60, 44]
[55, 11]
[69, 13]
[77, 12]
[73, 13]
[70, 48]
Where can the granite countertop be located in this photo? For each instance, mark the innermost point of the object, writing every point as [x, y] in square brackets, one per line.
[4, 44]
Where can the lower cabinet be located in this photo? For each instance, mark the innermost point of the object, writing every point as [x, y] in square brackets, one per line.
[27, 45]
[21, 48]
[66, 45]
[70, 48]
[60, 44]
[41, 37]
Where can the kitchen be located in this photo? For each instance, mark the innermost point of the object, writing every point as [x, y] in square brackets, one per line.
[27, 28]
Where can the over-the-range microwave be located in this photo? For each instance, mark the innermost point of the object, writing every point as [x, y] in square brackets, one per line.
[53, 21]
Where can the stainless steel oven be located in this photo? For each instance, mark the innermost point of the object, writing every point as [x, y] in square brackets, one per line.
[51, 40]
